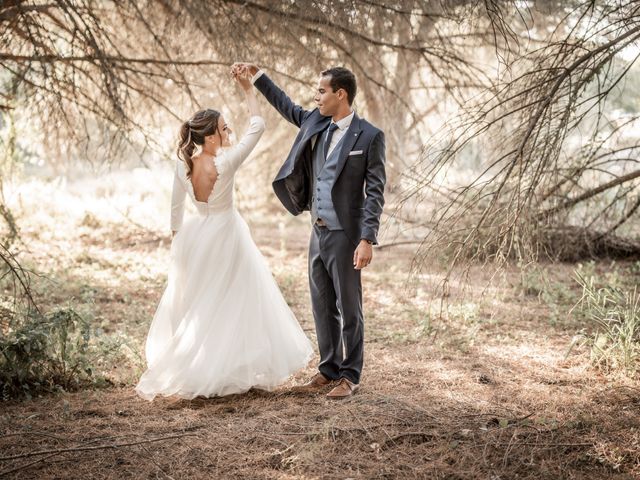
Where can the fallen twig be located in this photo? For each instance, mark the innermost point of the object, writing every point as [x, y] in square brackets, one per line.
[98, 447]
[27, 465]
[41, 459]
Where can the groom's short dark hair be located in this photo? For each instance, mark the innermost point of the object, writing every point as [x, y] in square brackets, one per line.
[342, 78]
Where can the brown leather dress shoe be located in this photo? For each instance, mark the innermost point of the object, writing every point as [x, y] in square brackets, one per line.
[344, 389]
[317, 383]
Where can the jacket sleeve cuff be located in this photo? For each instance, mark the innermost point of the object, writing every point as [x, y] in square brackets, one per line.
[257, 75]
[369, 236]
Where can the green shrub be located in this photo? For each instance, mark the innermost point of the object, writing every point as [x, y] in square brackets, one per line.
[44, 353]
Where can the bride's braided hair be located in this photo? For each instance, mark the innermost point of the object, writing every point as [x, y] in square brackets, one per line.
[192, 133]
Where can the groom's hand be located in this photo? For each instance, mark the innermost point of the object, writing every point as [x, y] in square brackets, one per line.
[363, 255]
[240, 66]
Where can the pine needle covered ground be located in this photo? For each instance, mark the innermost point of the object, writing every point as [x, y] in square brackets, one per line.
[474, 385]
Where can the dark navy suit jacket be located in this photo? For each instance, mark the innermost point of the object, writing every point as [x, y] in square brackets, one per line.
[358, 192]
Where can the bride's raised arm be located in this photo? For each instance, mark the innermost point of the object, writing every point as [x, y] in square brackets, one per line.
[239, 152]
[243, 77]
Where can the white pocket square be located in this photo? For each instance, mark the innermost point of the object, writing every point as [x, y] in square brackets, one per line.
[355, 152]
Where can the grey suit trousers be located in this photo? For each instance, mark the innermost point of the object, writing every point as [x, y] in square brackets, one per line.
[336, 300]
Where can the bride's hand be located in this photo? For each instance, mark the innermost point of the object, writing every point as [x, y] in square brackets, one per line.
[241, 75]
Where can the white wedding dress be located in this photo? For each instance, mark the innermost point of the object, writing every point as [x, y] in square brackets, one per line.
[222, 325]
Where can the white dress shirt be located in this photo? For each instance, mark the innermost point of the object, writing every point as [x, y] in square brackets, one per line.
[343, 125]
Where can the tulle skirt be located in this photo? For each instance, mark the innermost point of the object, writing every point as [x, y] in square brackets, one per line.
[222, 325]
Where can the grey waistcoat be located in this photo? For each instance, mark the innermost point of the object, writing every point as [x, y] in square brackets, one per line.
[324, 176]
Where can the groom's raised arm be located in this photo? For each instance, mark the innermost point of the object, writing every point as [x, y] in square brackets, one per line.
[275, 96]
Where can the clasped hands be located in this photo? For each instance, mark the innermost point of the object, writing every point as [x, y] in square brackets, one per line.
[242, 74]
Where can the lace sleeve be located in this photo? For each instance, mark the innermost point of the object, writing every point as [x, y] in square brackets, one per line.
[234, 156]
[178, 197]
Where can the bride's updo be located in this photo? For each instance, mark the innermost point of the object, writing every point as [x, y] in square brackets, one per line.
[192, 133]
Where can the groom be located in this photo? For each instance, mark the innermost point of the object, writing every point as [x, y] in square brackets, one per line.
[335, 169]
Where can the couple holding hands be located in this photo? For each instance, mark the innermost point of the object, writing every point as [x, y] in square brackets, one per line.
[222, 325]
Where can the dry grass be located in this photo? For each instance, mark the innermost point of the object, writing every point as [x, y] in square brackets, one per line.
[477, 387]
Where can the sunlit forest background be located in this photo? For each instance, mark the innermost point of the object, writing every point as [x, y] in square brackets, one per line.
[502, 305]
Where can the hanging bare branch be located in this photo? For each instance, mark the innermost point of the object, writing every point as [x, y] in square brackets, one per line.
[533, 178]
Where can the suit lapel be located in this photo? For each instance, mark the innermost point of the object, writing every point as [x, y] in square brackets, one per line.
[299, 148]
[350, 138]
[306, 138]
[315, 129]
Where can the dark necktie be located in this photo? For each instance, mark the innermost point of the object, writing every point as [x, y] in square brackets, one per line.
[332, 128]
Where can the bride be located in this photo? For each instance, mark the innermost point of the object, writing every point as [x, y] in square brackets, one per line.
[222, 325]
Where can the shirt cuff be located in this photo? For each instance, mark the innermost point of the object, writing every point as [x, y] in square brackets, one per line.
[256, 76]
